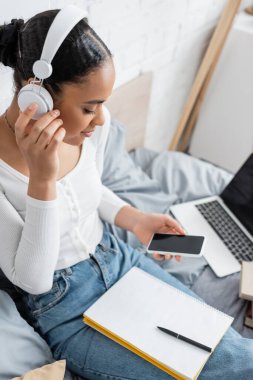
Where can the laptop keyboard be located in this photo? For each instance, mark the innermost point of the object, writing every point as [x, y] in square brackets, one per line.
[229, 232]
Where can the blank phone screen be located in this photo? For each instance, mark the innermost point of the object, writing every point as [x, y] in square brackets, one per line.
[176, 243]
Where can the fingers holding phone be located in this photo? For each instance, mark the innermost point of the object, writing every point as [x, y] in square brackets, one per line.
[165, 257]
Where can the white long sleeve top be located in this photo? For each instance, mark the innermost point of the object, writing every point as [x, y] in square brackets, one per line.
[37, 237]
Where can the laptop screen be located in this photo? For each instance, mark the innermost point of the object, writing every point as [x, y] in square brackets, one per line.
[238, 195]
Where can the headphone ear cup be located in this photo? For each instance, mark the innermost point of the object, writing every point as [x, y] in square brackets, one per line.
[33, 93]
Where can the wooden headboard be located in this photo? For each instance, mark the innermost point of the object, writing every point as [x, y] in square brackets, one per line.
[129, 104]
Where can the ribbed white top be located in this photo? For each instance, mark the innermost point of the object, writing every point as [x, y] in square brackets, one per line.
[38, 237]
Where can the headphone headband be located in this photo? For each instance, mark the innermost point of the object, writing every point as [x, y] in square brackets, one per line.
[63, 23]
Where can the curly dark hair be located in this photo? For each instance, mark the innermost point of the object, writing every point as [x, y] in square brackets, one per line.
[21, 45]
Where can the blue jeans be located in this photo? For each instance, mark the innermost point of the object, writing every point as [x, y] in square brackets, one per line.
[57, 315]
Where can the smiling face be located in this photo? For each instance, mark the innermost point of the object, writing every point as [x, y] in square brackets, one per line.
[81, 104]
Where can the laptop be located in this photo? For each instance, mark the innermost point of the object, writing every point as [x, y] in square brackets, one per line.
[225, 220]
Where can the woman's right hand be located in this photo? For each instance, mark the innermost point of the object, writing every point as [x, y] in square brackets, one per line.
[39, 143]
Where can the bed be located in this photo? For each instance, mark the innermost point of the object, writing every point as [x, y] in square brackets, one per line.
[148, 180]
[154, 181]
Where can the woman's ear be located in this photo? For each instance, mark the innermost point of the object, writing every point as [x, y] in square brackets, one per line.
[25, 82]
[31, 80]
[28, 81]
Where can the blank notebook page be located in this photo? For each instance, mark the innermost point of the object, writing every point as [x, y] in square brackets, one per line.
[138, 303]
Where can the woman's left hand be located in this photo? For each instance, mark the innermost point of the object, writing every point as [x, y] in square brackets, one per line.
[149, 223]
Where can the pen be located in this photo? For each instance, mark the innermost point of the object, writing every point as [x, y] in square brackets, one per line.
[188, 340]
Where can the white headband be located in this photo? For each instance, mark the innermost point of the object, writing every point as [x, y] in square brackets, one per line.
[63, 23]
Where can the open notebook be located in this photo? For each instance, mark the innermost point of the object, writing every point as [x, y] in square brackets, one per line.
[130, 311]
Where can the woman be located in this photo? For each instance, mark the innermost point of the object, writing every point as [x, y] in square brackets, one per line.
[52, 204]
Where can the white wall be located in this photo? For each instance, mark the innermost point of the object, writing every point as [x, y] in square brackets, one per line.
[226, 119]
[167, 37]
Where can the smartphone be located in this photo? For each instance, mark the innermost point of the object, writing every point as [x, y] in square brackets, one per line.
[180, 245]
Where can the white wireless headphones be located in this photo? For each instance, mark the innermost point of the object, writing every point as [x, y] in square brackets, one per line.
[63, 23]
